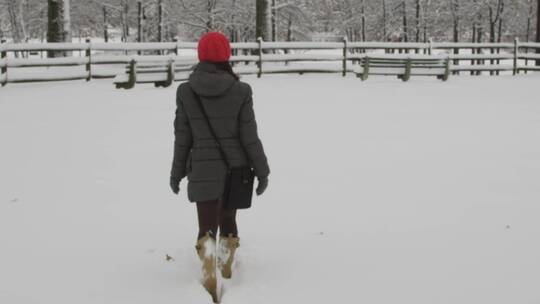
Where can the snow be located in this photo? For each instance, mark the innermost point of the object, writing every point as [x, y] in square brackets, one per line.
[242, 58]
[301, 45]
[530, 44]
[387, 45]
[60, 46]
[243, 45]
[187, 45]
[486, 56]
[102, 59]
[381, 192]
[499, 67]
[529, 56]
[399, 56]
[47, 75]
[16, 62]
[121, 78]
[299, 57]
[473, 45]
[133, 46]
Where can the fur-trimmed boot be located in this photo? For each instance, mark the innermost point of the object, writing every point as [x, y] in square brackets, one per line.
[227, 248]
[206, 249]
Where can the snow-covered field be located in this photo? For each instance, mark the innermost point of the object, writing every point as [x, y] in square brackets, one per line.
[382, 192]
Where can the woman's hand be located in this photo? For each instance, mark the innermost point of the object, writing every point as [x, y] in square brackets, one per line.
[261, 185]
[175, 185]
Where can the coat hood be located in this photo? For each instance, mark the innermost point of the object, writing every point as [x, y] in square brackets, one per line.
[208, 80]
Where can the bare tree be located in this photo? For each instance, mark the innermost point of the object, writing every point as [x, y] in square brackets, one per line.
[261, 19]
[495, 11]
[105, 25]
[417, 20]
[15, 10]
[385, 32]
[58, 24]
[538, 29]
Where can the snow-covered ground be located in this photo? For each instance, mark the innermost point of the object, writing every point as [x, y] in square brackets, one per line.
[381, 192]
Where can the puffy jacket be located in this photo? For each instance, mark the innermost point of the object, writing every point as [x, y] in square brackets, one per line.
[229, 106]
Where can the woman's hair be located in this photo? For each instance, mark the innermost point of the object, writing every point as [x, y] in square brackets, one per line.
[226, 66]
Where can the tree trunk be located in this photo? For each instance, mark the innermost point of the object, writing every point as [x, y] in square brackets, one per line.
[1, 31]
[210, 11]
[140, 20]
[492, 23]
[160, 21]
[233, 31]
[455, 10]
[274, 20]
[499, 34]
[124, 11]
[405, 28]
[261, 20]
[529, 21]
[473, 50]
[425, 17]
[538, 29]
[289, 28]
[363, 11]
[105, 25]
[499, 30]
[55, 25]
[479, 51]
[23, 15]
[417, 21]
[14, 21]
[385, 34]
[455, 17]
[66, 14]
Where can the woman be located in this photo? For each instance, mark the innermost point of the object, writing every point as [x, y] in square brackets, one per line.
[229, 107]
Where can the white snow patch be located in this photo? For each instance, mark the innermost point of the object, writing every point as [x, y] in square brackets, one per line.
[381, 192]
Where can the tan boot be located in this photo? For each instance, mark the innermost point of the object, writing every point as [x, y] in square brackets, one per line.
[206, 249]
[227, 248]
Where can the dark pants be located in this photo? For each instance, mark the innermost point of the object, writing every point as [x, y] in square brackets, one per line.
[212, 215]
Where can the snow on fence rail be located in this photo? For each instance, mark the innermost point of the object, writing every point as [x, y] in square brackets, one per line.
[102, 60]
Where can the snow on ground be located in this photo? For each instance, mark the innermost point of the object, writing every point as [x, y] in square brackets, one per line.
[382, 192]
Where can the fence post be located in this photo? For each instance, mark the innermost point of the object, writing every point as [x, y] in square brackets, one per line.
[408, 67]
[175, 40]
[27, 53]
[365, 72]
[480, 61]
[446, 69]
[132, 79]
[430, 46]
[456, 61]
[516, 51]
[3, 55]
[344, 73]
[259, 63]
[89, 59]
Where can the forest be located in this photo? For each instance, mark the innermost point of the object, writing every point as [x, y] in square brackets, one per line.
[273, 20]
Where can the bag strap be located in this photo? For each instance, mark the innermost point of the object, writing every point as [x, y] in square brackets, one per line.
[203, 111]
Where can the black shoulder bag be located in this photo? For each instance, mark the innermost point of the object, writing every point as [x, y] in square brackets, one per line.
[239, 180]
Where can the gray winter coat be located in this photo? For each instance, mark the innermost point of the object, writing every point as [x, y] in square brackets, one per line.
[229, 105]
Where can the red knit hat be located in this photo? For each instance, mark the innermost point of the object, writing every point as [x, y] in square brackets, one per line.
[214, 47]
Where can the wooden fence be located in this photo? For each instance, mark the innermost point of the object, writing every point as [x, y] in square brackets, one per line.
[107, 60]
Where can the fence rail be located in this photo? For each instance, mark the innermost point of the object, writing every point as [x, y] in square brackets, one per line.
[107, 60]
